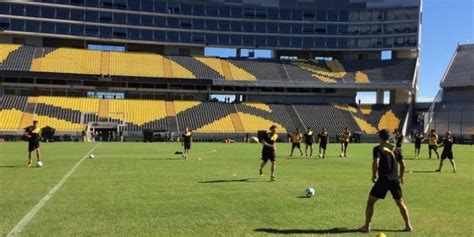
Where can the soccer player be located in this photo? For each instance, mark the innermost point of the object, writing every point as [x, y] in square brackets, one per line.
[187, 139]
[399, 140]
[309, 140]
[418, 139]
[386, 160]
[345, 138]
[433, 143]
[33, 134]
[296, 139]
[323, 142]
[268, 151]
[447, 151]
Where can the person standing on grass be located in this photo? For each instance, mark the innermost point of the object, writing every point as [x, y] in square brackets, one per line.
[433, 143]
[187, 140]
[399, 140]
[418, 139]
[345, 139]
[33, 134]
[309, 140]
[323, 142]
[386, 160]
[447, 151]
[296, 139]
[269, 151]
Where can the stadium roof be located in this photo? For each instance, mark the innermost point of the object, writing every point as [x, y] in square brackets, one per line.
[460, 72]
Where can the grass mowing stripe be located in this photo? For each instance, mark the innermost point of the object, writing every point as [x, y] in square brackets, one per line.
[29, 216]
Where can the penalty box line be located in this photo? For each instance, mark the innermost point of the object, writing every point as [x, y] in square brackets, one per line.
[29, 216]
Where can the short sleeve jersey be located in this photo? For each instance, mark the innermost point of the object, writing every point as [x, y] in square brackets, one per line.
[323, 137]
[388, 163]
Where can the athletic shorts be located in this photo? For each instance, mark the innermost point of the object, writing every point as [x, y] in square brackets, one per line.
[433, 147]
[417, 145]
[383, 185]
[448, 155]
[33, 145]
[187, 146]
[323, 145]
[268, 155]
[346, 144]
[309, 143]
[297, 145]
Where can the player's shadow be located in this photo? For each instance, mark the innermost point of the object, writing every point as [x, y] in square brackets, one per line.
[423, 171]
[306, 231]
[303, 197]
[162, 159]
[11, 166]
[247, 180]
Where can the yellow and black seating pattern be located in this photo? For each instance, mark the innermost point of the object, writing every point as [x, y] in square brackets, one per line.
[69, 114]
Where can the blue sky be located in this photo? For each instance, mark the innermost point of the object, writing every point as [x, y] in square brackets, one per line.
[445, 24]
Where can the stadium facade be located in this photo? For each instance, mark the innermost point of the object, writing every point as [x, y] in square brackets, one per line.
[323, 53]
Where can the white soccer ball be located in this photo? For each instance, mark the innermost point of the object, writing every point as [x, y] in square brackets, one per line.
[341, 155]
[91, 156]
[320, 156]
[39, 164]
[309, 192]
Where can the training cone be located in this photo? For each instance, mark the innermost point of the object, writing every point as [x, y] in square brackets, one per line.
[381, 234]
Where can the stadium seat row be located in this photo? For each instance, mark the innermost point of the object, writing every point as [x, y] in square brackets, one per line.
[134, 64]
[73, 114]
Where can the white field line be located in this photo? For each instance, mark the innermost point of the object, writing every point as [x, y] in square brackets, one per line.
[29, 216]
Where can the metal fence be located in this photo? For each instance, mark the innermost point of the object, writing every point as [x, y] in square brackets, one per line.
[459, 121]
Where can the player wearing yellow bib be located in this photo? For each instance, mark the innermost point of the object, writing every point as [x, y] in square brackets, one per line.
[33, 134]
[345, 139]
[433, 143]
[268, 151]
[296, 139]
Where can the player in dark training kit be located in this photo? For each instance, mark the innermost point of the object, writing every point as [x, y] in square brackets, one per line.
[418, 139]
[33, 134]
[268, 151]
[399, 140]
[187, 140]
[386, 178]
[296, 139]
[323, 142]
[447, 151]
[433, 143]
[309, 140]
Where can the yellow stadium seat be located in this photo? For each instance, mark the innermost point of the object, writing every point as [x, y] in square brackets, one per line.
[137, 112]
[254, 123]
[10, 119]
[65, 60]
[6, 49]
[58, 124]
[85, 105]
[223, 125]
[181, 106]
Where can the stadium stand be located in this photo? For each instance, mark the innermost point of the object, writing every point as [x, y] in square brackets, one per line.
[68, 114]
[91, 62]
[461, 68]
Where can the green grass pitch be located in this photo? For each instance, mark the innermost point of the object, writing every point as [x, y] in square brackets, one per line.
[137, 189]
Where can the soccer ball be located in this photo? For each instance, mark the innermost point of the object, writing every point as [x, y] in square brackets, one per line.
[381, 234]
[39, 164]
[320, 156]
[342, 154]
[309, 192]
[91, 156]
